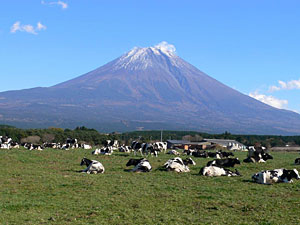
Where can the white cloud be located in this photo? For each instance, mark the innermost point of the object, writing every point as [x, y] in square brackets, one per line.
[40, 26]
[28, 28]
[270, 100]
[289, 85]
[274, 88]
[15, 27]
[63, 5]
[166, 47]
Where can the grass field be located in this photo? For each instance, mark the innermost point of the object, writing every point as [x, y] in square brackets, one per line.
[44, 188]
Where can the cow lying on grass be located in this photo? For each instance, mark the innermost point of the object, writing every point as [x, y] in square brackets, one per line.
[179, 165]
[30, 146]
[228, 162]
[141, 165]
[276, 176]
[257, 155]
[93, 166]
[173, 152]
[125, 148]
[217, 154]
[103, 151]
[215, 171]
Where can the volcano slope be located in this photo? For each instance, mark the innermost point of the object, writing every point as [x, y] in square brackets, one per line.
[148, 87]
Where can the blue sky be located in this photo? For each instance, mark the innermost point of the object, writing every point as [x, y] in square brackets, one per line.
[252, 46]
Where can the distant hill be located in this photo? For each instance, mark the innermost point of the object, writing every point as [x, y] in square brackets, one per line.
[146, 88]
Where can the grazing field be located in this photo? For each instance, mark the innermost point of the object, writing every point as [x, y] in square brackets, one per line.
[45, 188]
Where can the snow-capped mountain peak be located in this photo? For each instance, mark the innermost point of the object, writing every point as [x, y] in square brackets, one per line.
[143, 58]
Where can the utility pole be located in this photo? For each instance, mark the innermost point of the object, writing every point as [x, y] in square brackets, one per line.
[161, 135]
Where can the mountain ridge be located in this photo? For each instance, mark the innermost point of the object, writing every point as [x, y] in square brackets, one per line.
[146, 87]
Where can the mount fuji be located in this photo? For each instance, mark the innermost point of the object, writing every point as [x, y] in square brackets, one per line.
[149, 88]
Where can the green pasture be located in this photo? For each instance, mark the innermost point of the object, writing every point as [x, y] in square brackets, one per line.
[44, 187]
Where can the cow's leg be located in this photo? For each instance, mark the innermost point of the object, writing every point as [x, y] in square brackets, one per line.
[264, 178]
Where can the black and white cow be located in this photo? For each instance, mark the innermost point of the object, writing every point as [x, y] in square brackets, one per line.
[225, 154]
[71, 143]
[189, 151]
[257, 155]
[149, 149]
[173, 152]
[112, 143]
[214, 155]
[227, 162]
[200, 154]
[30, 146]
[160, 146]
[51, 145]
[86, 146]
[215, 171]
[297, 161]
[5, 142]
[125, 148]
[217, 154]
[103, 151]
[179, 165]
[136, 147]
[14, 144]
[66, 146]
[140, 165]
[276, 176]
[93, 166]
[143, 148]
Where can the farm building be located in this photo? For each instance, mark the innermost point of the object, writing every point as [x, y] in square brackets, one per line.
[229, 144]
[206, 144]
[182, 144]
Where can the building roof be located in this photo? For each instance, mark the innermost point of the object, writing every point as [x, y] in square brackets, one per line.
[224, 141]
[183, 142]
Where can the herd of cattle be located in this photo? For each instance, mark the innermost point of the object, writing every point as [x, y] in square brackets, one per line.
[8, 143]
[217, 167]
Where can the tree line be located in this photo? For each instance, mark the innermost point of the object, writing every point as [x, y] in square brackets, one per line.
[93, 137]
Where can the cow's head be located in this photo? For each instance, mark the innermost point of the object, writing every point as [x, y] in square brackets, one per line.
[295, 174]
[266, 156]
[297, 161]
[290, 174]
[237, 161]
[190, 161]
[237, 172]
[85, 161]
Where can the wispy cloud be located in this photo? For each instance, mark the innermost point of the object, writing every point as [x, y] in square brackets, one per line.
[289, 85]
[63, 5]
[165, 46]
[28, 28]
[40, 26]
[270, 100]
